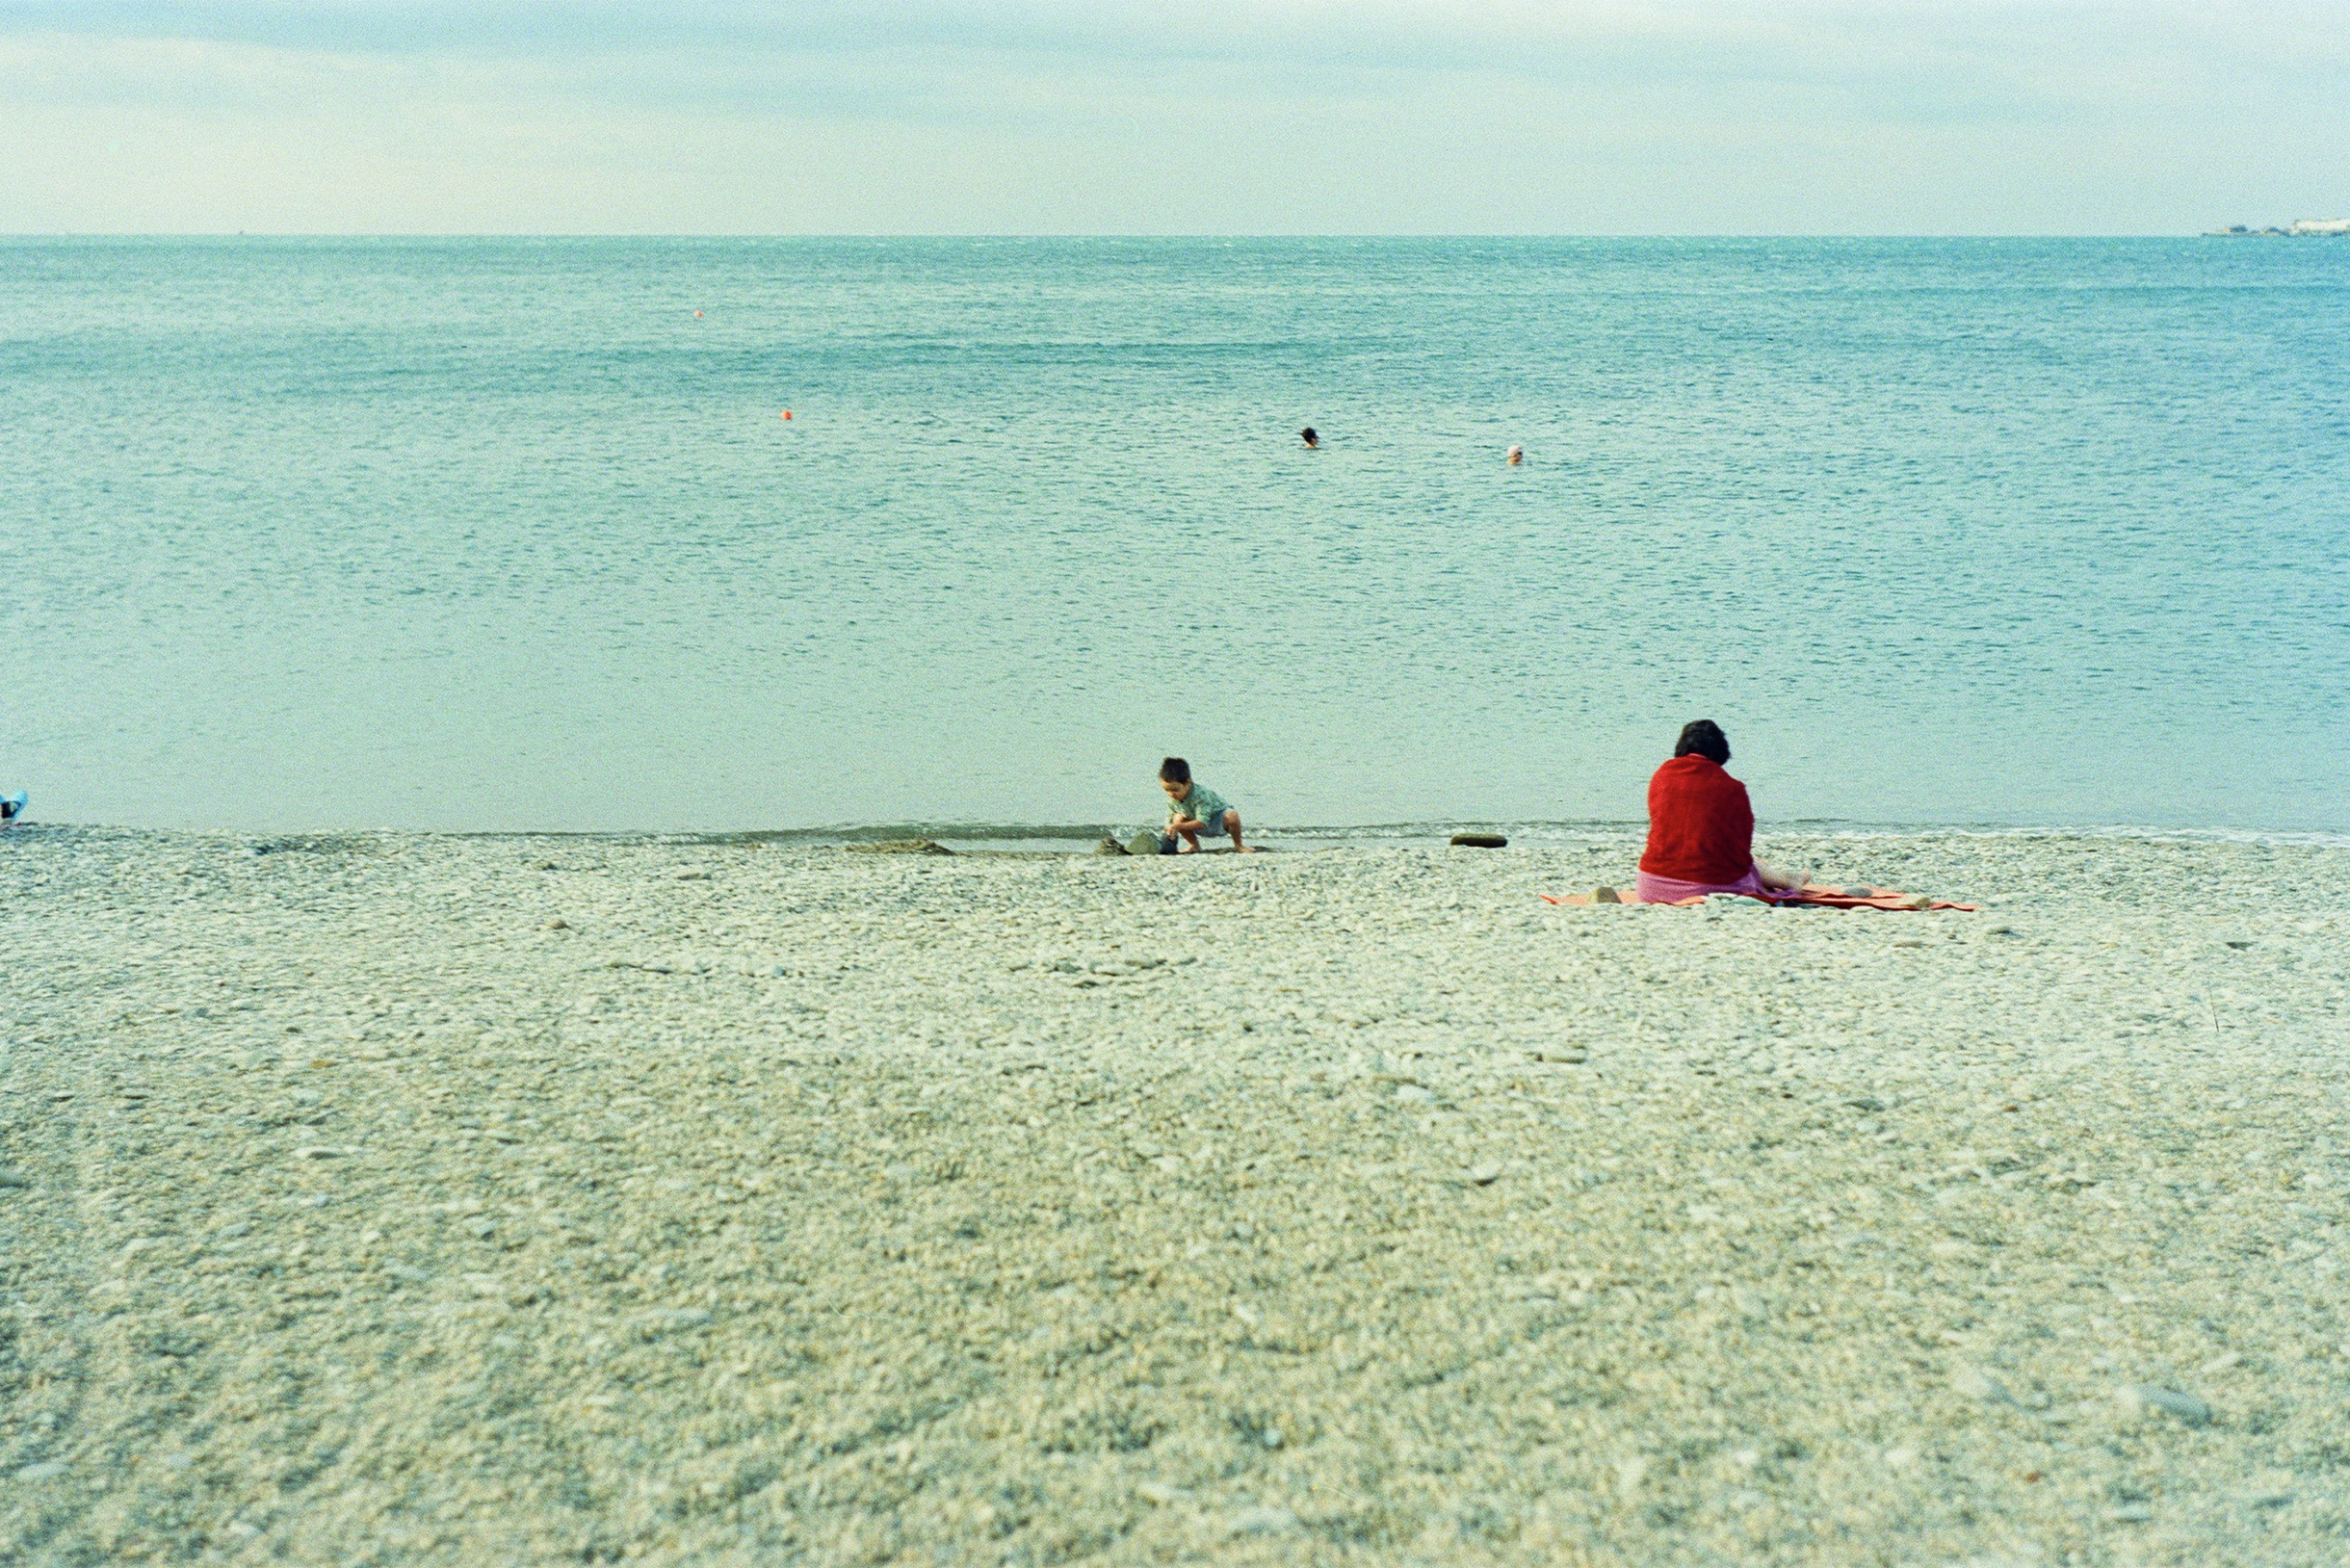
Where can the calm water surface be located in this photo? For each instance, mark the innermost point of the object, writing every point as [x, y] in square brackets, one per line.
[499, 534]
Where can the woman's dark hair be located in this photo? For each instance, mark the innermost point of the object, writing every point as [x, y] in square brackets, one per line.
[1175, 771]
[1703, 737]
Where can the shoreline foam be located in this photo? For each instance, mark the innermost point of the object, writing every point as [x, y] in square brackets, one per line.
[1080, 838]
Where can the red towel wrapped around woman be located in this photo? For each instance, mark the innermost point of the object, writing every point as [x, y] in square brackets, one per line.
[1701, 827]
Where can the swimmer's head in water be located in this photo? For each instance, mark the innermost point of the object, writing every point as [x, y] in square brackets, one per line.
[1309, 439]
[1517, 454]
[1705, 738]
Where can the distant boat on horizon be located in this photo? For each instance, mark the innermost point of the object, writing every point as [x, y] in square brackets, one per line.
[2298, 228]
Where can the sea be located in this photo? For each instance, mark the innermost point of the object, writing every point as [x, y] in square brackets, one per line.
[816, 537]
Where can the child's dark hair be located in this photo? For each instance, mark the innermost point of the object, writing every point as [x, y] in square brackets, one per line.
[1703, 737]
[1175, 771]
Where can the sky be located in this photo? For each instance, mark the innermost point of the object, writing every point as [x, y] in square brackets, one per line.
[1282, 116]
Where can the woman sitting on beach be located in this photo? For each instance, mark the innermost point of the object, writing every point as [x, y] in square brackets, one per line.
[1700, 828]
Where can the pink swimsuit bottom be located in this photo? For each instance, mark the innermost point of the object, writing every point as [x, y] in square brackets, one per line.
[1672, 889]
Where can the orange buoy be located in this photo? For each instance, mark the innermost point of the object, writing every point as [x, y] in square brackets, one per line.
[787, 413]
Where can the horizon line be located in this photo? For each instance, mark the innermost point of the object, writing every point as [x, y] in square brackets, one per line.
[1073, 235]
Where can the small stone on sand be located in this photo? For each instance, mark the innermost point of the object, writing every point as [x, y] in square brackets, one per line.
[2145, 1396]
[1977, 1384]
[1259, 1522]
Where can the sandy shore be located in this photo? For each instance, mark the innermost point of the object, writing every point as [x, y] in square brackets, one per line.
[385, 1199]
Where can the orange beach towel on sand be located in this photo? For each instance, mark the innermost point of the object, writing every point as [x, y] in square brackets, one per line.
[1818, 898]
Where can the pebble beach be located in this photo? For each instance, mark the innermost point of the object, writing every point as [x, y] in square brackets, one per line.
[384, 1199]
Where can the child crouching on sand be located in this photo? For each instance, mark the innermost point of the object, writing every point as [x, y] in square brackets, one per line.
[1193, 809]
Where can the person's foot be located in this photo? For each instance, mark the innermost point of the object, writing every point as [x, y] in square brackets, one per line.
[1243, 849]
